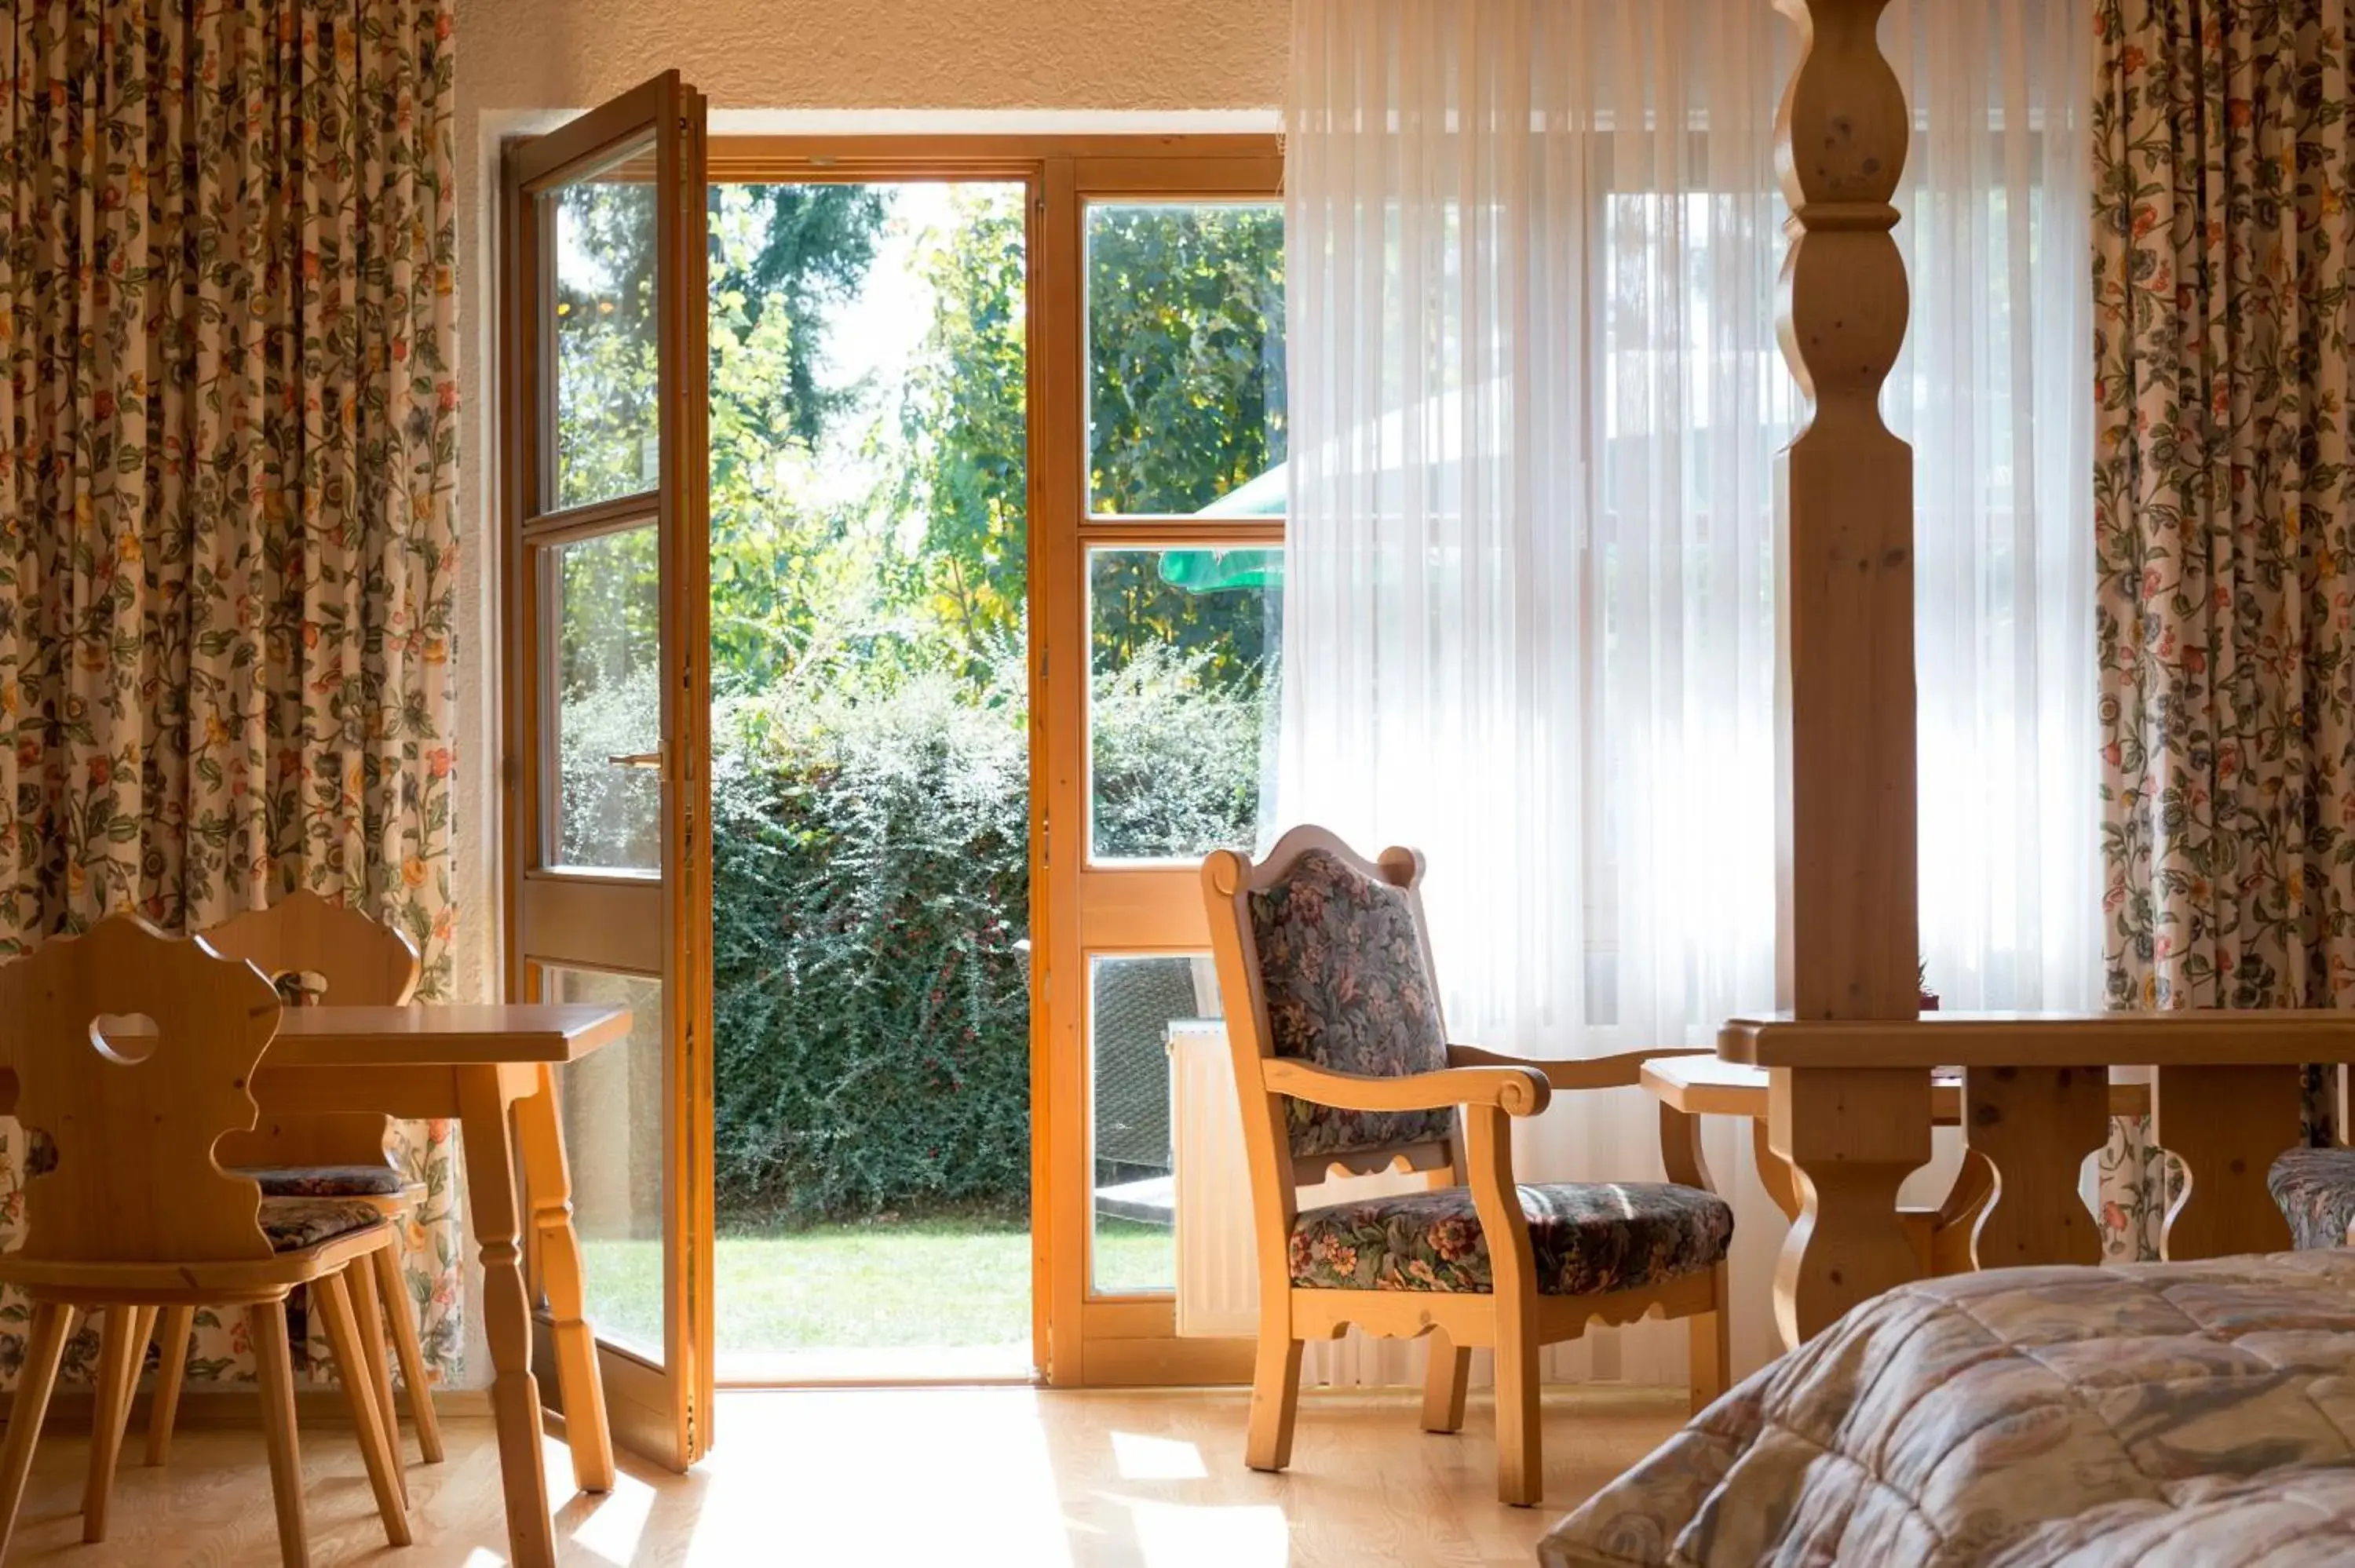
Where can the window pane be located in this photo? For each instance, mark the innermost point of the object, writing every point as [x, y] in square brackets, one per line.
[607, 393]
[1186, 358]
[1132, 1001]
[1180, 699]
[612, 1109]
[607, 620]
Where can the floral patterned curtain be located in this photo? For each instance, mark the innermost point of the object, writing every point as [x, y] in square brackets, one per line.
[2223, 324]
[228, 454]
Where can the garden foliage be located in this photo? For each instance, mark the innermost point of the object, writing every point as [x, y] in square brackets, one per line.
[870, 793]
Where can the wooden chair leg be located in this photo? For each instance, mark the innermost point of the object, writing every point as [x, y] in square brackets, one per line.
[1275, 1402]
[44, 1348]
[400, 1312]
[123, 1348]
[1521, 1465]
[1712, 1351]
[265, 1324]
[143, 1334]
[1445, 1380]
[360, 1290]
[171, 1373]
[358, 1365]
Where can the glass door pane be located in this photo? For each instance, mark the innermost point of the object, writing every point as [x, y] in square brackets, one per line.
[612, 1108]
[602, 317]
[1180, 711]
[605, 621]
[608, 877]
[1135, 1001]
[1186, 386]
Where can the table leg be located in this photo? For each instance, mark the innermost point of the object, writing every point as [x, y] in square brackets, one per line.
[1773, 1171]
[1958, 1219]
[506, 1314]
[1852, 1136]
[548, 1187]
[2035, 1126]
[2228, 1126]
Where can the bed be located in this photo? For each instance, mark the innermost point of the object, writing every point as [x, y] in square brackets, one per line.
[2154, 1413]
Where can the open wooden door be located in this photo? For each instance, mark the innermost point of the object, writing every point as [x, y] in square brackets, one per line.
[603, 383]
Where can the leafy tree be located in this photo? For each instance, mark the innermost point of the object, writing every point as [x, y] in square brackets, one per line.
[967, 419]
[814, 245]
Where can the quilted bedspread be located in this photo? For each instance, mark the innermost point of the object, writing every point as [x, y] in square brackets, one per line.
[2157, 1414]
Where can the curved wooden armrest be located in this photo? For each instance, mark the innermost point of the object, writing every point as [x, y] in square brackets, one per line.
[1624, 1071]
[1519, 1089]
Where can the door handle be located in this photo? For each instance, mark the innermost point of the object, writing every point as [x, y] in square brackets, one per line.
[635, 759]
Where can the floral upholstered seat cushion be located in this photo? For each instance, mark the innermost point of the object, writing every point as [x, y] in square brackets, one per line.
[1588, 1237]
[2316, 1190]
[293, 1224]
[325, 1180]
[1341, 965]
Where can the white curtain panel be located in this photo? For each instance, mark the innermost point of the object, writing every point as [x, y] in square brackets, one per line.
[1529, 619]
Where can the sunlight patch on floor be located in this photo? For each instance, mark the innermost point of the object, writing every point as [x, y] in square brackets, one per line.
[1144, 1458]
[614, 1526]
[1188, 1535]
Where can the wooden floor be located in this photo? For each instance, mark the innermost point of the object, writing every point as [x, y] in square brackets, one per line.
[859, 1478]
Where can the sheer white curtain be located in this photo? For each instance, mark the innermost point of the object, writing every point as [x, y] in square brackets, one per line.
[1536, 398]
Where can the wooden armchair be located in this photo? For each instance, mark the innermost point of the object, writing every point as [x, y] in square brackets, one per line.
[1341, 1060]
[127, 1208]
[326, 953]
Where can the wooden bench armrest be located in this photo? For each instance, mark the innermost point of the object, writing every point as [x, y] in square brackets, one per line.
[1519, 1089]
[1624, 1071]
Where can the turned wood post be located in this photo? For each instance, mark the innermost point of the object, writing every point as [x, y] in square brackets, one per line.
[1846, 900]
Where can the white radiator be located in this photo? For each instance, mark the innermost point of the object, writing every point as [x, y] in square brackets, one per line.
[1218, 1260]
[1218, 1268]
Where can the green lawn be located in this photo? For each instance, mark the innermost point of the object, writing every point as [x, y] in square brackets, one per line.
[936, 1283]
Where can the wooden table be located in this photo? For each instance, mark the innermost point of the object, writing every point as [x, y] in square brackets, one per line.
[1850, 1107]
[473, 1064]
[1941, 1237]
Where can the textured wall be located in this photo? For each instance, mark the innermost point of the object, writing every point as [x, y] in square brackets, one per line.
[879, 54]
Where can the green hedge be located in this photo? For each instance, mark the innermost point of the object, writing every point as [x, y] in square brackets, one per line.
[871, 882]
[871, 874]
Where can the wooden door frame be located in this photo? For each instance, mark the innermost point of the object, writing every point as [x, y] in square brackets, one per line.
[665, 1411]
[1092, 1340]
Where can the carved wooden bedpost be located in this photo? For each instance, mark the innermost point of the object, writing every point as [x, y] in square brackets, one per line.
[1848, 941]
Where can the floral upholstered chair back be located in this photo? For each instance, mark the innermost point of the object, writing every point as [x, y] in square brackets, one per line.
[1345, 976]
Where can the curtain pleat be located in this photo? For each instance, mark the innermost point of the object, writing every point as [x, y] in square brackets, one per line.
[1532, 254]
[228, 465]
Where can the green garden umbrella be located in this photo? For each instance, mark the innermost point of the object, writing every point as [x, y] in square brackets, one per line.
[1219, 571]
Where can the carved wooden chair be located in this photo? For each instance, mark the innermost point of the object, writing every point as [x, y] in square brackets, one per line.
[128, 1209]
[324, 952]
[1342, 1062]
